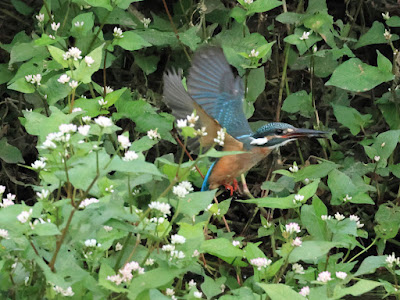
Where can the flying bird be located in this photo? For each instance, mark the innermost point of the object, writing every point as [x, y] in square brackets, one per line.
[216, 95]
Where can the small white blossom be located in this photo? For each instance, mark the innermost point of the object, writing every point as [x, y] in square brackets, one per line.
[192, 283]
[130, 155]
[52, 37]
[48, 144]
[9, 201]
[181, 123]
[28, 78]
[77, 109]
[89, 60]
[305, 36]
[87, 202]
[324, 276]
[339, 216]
[168, 248]
[292, 228]
[37, 78]
[387, 34]
[74, 53]
[67, 128]
[149, 262]
[305, 291]
[298, 198]
[40, 18]
[169, 292]
[118, 247]
[297, 242]
[109, 89]
[294, 168]
[341, 275]
[38, 165]
[196, 253]
[110, 189]
[68, 292]
[79, 24]
[2, 189]
[220, 137]
[235, 243]
[201, 132]
[43, 194]
[55, 26]
[178, 239]
[377, 158]
[177, 254]
[107, 228]
[84, 130]
[73, 84]
[4, 234]
[297, 268]
[86, 119]
[91, 243]
[392, 260]
[118, 33]
[164, 208]
[260, 262]
[192, 119]
[153, 134]
[24, 216]
[124, 141]
[254, 53]
[146, 22]
[103, 121]
[347, 198]
[180, 191]
[386, 16]
[198, 294]
[248, 1]
[325, 217]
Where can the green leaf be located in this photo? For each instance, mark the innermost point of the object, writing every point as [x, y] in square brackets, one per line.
[22, 86]
[106, 270]
[356, 76]
[351, 118]
[340, 185]
[25, 51]
[114, 96]
[55, 90]
[5, 73]
[148, 63]
[255, 84]
[315, 171]
[384, 64]
[238, 13]
[309, 190]
[271, 202]
[370, 264]
[88, 23]
[190, 37]
[193, 203]
[84, 72]
[299, 102]
[46, 229]
[311, 219]
[290, 18]
[57, 55]
[373, 36]
[361, 287]
[259, 6]
[311, 251]
[222, 248]
[131, 41]
[212, 287]
[21, 7]
[280, 292]
[9, 153]
[100, 3]
[393, 21]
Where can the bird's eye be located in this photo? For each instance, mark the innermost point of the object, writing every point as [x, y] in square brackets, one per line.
[278, 131]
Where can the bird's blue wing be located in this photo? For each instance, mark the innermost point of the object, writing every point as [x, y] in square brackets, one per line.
[211, 84]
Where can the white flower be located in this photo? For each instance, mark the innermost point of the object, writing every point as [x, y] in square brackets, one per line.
[89, 60]
[107, 228]
[73, 84]
[220, 137]
[125, 274]
[2, 189]
[48, 144]
[149, 262]
[124, 141]
[192, 119]
[198, 294]
[387, 36]
[178, 239]
[298, 269]
[260, 262]
[118, 33]
[392, 260]
[377, 158]
[34, 79]
[117, 279]
[168, 248]
[118, 247]
[354, 218]
[110, 189]
[9, 201]
[74, 53]
[68, 292]
[153, 134]
[63, 79]
[67, 128]
[55, 26]
[248, 1]
[52, 37]
[294, 168]
[103, 121]
[109, 89]
[292, 228]
[305, 291]
[77, 109]
[339, 216]
[386, 16]
[187, 185]
[196, 253]
[40, 18]
[254, 53]
[43, 194]
[28, 78]
[24, 216]
[192, 283]
[169, 292]
[341, 275]
[298, 198]
[325, 217]
[235, 243]
[130, 155]
[4, 234]
[347, 198]
[297, 242]
[90, 243]
[181, 123]
[165, 208]
[79, 24]
[84, 130]
[146, 22]
[180, 191]
[87, 202]
[86, 119]
[324, 276]
[305, 36]
[38, 165]
[201, 132]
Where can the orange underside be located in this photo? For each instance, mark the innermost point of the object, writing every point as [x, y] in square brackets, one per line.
[230, 167]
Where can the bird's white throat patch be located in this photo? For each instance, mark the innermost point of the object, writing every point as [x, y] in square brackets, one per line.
[259, 141]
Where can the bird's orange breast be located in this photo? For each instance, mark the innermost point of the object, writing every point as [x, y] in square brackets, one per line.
[231, 166]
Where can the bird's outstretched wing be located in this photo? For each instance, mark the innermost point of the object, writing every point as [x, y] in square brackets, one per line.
[182, 105]
[211, 84]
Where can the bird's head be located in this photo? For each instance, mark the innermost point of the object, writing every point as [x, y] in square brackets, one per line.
[274, 135]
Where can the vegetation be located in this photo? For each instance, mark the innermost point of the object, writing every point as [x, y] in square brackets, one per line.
[100, 201]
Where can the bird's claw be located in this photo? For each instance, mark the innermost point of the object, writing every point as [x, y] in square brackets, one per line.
[232, 187]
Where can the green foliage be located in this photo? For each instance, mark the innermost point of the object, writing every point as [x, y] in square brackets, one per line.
[111, 209]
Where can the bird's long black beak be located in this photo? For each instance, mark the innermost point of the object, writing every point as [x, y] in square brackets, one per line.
[300, 133]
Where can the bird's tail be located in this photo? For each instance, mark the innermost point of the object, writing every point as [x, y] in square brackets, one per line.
[204, 187]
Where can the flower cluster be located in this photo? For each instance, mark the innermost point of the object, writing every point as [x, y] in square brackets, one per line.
[305, 291]
[392, 260]
[298, 198]
[73, 53]
[292, 228]
[178, 239]
[260, 262]
[297, 268]
[324, 276]
[8, 201]
[164, 208]
[68, 292]
[92, 243]
[34, 79]
[87, 202]
[24, 216]
[153, 134]
[294, 168]
[340, 217]
[254, 53]
[220, 137]
[125, 274]
[182, 189]
[118, 33]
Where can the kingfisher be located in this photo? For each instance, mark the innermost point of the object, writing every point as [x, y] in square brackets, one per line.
[217, 95]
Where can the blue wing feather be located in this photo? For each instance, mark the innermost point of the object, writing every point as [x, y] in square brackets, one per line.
[204, 186]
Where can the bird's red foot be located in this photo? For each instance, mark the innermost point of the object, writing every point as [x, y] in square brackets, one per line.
[232, 188]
